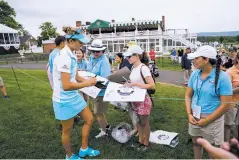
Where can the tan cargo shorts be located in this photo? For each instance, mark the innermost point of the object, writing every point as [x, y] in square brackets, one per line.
[100, 107]
[213, 132]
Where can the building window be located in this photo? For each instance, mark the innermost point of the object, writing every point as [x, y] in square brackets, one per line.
[157, 41]
[6, 38]
[1, 38]
[12, 41]
[110, 46]
[17, 40]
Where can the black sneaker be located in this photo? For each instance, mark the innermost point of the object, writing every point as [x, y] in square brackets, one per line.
[108, 129]
[6, 97]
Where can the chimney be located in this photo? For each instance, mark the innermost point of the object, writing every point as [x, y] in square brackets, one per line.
[78, 24]
[163, 21]
[88, 23]
[113, 21]
[133, 19]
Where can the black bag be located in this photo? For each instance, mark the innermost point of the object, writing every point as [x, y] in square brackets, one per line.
[154, 70]
[150, 91]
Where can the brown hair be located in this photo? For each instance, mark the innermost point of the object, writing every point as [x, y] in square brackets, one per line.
[236, 59]
[69, 30]
[144, 58]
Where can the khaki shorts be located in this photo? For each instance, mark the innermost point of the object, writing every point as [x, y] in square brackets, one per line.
[100, 107]
[213, 132]
[1, 82]
[230, 116]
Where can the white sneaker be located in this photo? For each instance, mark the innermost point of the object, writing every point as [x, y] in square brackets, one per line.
[101, 134]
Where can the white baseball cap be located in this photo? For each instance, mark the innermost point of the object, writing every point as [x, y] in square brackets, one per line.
[204, 51]
[97, 45]
[135, 49]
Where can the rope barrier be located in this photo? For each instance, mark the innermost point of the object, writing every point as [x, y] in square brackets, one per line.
[155, 97]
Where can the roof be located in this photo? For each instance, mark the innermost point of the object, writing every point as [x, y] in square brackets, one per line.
[23, 39]
[6, 29]
[99, 24]
[127, 26]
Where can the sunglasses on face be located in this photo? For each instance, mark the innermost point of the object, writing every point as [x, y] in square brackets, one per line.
[95, 51]
[131, 56]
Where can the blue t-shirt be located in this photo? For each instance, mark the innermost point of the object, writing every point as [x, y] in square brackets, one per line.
[52, 56]
[82, 65]
[99, 66]
[174, 53]
[204, 90]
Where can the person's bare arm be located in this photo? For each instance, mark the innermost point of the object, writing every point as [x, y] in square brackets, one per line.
[150, 84]
[188, 103]
[68, 85]
[79, 78]
[223, 108]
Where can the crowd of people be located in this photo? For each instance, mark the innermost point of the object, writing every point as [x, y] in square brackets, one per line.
[211, 77]
[210, 99]
[64, 63]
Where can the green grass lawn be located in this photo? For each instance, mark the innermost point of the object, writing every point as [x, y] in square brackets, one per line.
[28, 129]
[166, 64]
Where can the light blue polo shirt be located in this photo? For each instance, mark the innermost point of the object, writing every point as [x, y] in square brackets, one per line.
[99, 66]
[52, 56]
[66, 104]
[204, 90]
[82, 65]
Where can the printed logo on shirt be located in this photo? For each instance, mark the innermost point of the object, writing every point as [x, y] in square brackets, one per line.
[212, 81]
[65, 67]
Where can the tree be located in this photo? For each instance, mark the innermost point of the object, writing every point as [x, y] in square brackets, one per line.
[22, 31]
[48, 31]
[237, 38]
[221, 39]
[8, 15]
[39, 41]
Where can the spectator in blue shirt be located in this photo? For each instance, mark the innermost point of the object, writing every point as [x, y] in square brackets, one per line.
[174, 56]
[81, 60]
[99, 65]
[82, 66]
[207, 99]
[60, 44]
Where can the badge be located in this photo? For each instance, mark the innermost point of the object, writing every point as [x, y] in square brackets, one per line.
[197, 112]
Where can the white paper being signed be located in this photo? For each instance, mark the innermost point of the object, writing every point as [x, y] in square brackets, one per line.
[91, 91]
[119, 93]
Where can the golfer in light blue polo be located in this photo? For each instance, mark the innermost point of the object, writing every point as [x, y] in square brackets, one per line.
[67, 102]
[207, 99]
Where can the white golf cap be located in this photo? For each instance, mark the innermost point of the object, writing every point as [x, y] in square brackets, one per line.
[204, 51]
[135, 49]
[97, 45]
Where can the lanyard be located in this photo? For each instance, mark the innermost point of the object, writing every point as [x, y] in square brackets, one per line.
[94, 63]
[199, 90]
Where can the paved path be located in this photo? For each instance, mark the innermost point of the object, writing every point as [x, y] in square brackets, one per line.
[171, 77]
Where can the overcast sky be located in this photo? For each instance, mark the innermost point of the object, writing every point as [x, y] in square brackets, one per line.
[196, 15]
